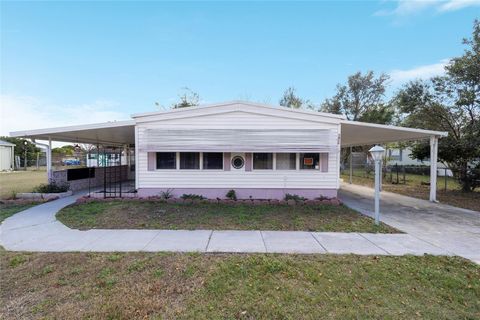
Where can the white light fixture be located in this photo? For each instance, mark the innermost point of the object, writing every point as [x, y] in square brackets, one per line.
[377, 155]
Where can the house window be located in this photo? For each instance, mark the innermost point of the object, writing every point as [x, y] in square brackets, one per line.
[212, 160]
[309, 161]
[166, 160]
[189, 160]
[262, 161]
[286, 161]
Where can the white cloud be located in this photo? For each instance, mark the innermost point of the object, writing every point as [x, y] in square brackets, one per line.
[411, 7]
[24, 113]
[457, 5]
[421, 72]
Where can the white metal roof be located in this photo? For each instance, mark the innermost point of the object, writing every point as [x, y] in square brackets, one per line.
[6, 144]
[354, 133]
[236, 103]
[123, 132]
[112, 133]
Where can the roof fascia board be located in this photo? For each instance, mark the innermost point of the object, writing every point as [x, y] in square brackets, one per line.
[66, 139]
[385, 141]
[390, 127]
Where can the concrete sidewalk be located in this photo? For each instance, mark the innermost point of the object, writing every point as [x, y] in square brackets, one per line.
[36, 229]
[453, 229]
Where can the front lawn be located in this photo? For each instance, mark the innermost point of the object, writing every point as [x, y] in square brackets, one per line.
[14, 182]
[9, 209]
[160, 215]
[222, 286]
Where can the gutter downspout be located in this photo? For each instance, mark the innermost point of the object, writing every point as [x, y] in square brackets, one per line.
[49, 157]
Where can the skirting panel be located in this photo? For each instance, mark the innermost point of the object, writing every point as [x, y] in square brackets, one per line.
[242, 193]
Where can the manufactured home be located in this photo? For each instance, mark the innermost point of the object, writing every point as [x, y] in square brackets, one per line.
[260, 151]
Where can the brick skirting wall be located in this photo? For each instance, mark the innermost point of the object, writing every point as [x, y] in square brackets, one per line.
[60, 177]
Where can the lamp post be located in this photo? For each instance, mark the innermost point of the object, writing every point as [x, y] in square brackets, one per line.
[377, 155]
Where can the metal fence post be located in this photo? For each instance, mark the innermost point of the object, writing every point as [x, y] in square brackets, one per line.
[445, 179]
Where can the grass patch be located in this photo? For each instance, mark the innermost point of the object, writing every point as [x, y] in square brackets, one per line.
[256, 286]
[9, 209]
[20, 181]
[160, 215]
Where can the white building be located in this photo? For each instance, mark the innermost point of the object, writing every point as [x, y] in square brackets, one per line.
[7, 156]
[257, 150]
[402, 157]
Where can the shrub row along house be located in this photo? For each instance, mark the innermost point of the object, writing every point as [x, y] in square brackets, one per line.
[260, 151]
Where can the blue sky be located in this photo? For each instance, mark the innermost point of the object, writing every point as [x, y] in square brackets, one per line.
[82, 62]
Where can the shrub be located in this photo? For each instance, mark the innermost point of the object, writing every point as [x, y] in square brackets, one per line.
[52, 188]
[167, 194]
[232, 195]
[295, 197]
[186, 196]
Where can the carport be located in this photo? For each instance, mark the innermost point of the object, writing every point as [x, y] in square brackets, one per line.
[117, 135]
[356, 133]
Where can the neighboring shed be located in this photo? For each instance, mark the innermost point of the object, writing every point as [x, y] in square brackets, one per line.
[6, 155]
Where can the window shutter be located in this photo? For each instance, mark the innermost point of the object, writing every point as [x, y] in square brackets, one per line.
[226, 161]
[152, 159]
[324, 162]
[248, 162]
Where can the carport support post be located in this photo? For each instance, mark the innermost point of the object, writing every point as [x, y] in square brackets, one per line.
[49, 160]
[351, 164]
[433, 167]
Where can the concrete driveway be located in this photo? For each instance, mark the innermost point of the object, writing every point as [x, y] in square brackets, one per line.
[453, 229]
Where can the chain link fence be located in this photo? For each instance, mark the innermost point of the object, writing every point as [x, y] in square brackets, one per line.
[396, 174]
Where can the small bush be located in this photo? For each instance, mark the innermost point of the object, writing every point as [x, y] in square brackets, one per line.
[295, 197]
[52, 188]
[165, 195]
[186, 196]
[232, 195]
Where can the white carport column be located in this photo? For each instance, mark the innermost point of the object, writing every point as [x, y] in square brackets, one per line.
[49, 160]
[433, 167]
[351, 165]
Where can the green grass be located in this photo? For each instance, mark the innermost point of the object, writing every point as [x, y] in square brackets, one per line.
[161, 215]
[20, 181]
[247, 286]
[9, 209]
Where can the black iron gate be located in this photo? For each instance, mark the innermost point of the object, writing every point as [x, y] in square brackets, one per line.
[112, 173]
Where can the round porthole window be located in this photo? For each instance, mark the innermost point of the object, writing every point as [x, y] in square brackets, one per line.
[238, 162]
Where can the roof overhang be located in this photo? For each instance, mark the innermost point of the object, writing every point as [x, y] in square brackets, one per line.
[354, 133]
[108, 133]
